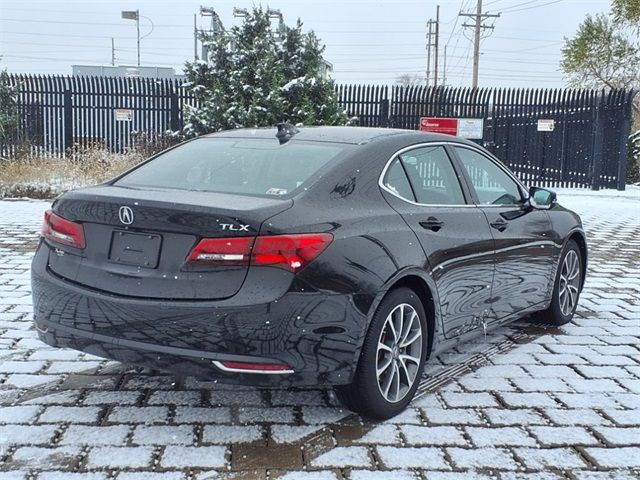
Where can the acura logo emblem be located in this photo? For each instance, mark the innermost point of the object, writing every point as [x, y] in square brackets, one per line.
[126, 215]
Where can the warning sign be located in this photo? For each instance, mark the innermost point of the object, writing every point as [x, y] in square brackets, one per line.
[460, 127]
[123, 114]
[546, 125]
[470, 127]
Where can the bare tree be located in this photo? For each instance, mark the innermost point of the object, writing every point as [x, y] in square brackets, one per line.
[409, 80]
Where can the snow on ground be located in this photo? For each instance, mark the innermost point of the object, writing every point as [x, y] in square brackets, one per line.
[526, 402]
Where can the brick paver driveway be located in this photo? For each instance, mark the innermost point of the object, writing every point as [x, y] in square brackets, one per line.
[527, 401]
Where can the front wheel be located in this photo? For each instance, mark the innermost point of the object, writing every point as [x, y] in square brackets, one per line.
[567, 286]
[392, 358]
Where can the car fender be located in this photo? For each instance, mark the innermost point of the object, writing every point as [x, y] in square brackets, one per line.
[425, 275]
[585, 253]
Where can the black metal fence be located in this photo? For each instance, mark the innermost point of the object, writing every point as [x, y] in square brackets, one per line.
[586, 148]
[58, 113]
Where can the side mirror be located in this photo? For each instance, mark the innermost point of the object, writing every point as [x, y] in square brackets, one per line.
[541, 197]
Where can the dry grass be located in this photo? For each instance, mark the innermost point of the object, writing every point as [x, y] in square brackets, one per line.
[48, 176]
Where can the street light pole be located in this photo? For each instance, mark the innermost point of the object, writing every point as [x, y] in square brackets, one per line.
[138, 30]
[135, 15]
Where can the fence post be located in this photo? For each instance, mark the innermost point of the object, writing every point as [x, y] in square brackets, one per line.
[384, 113]
[175, 112]
[624, 139]
[68, 120]
[596, 166]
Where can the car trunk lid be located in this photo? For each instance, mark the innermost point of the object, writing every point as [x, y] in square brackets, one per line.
[138, 241]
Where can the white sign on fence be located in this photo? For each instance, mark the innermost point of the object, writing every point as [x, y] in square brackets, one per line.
[470, 127]
[123, 114]
[546, 125]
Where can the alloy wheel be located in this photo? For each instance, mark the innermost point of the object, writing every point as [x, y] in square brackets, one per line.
[399, 352]
[569, 283]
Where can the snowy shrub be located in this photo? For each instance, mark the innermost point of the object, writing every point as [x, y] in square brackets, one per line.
[147, 144]
[45, 176]
[256, 78]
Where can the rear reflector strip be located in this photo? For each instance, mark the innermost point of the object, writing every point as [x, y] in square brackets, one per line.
[219, 257]
[255, 368]
[222, 251]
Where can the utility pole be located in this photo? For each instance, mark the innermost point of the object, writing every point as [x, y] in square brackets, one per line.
[430, 44]
[477, 27]
[444, 68]
[113, 53]
[435, 76]
[195, 37]
[138, 30]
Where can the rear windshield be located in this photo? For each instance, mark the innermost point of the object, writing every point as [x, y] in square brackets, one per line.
[242, 166]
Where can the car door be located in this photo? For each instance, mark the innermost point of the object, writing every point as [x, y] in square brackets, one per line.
[422, 184]
[523, 235]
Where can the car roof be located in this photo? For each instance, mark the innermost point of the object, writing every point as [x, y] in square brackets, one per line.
[352, 135]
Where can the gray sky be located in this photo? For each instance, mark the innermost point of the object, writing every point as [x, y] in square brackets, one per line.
[367, 41]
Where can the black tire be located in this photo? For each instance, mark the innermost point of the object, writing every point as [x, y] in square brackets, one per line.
[364, 395]
[554, 314]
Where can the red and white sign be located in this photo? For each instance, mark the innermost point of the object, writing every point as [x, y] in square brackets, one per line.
[448, 126]
[460, 127]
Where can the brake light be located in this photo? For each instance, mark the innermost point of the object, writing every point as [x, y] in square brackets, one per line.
[60, 230]
[290, 252]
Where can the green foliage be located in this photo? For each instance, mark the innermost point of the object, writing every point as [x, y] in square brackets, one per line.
[601, 54]
[605, 53]
[627, 12]
[255, 77]
[9, 119]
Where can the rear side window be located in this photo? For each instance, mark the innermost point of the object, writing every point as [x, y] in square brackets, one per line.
[241, 166]
[432, 176]
[396, 181]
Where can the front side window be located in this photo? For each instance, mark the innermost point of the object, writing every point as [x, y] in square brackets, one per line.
[432, 176]
[492, 184]
[240, 166]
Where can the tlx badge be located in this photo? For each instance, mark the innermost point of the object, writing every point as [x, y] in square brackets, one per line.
[234, 228]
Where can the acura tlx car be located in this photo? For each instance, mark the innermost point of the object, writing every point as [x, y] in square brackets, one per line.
[324, 256]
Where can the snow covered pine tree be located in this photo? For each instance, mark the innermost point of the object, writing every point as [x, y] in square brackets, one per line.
[256, 77]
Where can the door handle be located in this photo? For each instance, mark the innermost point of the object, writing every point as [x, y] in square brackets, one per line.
[499, 225]
[432, 223]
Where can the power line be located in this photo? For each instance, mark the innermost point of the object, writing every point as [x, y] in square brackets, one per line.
[532, 7]
[516, 5]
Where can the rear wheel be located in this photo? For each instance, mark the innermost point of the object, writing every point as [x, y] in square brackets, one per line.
[392, 358]
[566, 289]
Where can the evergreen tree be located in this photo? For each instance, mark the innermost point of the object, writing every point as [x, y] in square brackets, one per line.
[255, 77]
[9, 119]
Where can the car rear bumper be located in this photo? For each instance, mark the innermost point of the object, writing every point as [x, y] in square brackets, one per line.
[318, 335]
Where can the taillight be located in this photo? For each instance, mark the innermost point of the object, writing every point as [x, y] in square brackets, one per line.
[290, 252]
[60, 230]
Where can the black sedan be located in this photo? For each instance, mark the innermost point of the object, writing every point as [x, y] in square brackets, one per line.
[328, 256]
